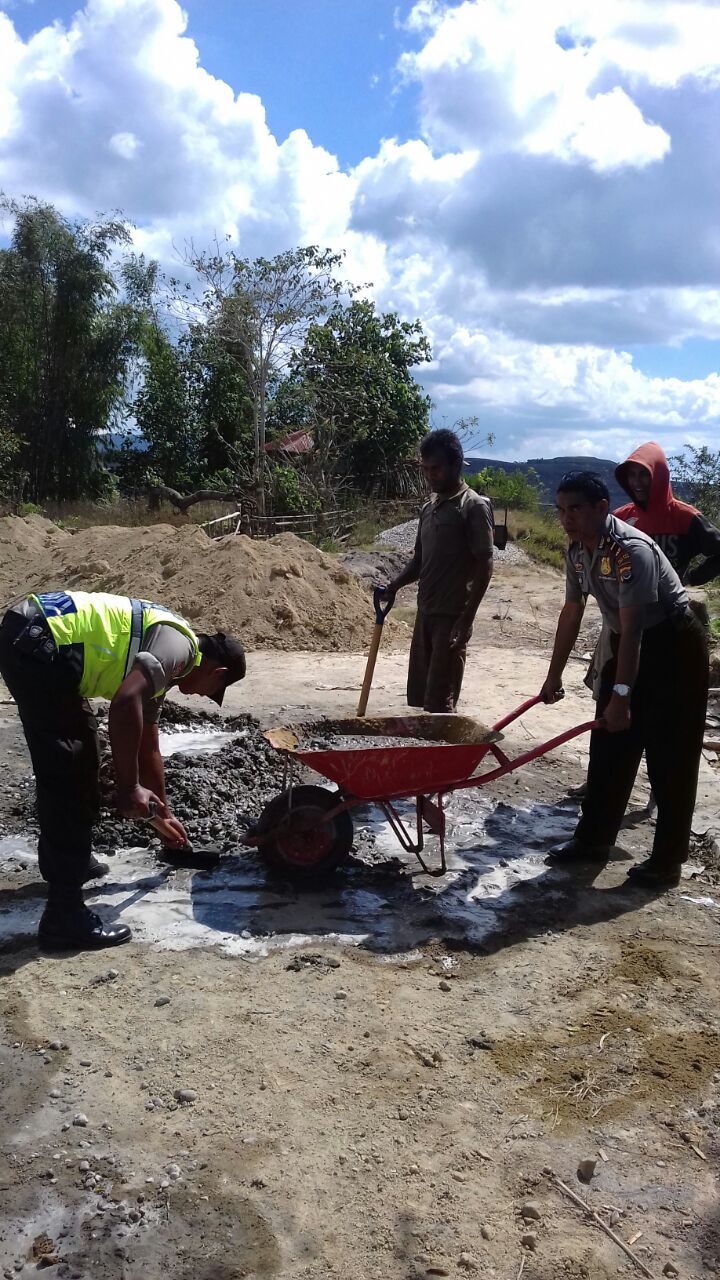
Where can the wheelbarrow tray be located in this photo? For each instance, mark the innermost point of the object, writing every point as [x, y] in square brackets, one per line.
[378, 773]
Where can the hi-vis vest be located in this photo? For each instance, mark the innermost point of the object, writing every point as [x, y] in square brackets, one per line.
[110, 629]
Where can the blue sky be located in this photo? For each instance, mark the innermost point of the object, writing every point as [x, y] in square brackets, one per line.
[536, 182]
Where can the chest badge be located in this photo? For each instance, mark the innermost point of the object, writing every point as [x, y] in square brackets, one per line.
[605, 567]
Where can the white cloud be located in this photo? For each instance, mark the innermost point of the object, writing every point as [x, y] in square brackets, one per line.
[557, 205]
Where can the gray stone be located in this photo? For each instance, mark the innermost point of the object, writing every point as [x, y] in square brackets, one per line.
[162, 1000]
[341, 995]
[486, 1232]
[80, 1120]
[444, 985]
[185, 1095]
[529, 1241]
[531, 1211]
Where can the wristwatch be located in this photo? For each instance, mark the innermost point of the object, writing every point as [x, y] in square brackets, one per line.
[622, 689]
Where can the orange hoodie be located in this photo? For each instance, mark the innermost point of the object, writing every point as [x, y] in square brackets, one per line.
[679, 529]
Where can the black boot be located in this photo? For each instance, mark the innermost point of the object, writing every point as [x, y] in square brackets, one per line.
[577, 851]
[655, 876]
[96, 869]
[68, 925]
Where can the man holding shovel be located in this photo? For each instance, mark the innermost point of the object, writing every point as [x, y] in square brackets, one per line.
[452, 564]
[59, 648]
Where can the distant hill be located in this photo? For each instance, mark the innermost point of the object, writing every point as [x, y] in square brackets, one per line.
[550, 470]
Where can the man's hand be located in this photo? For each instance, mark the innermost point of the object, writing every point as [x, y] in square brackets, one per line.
[461, 633]
[552, 690]
[171, 831]
[136, 802]
[388, 593]
[616, 717]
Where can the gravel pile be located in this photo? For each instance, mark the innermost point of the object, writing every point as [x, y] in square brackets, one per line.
[402, 538]
[215, 795]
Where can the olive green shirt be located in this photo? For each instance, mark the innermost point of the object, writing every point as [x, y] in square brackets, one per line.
[453, 534]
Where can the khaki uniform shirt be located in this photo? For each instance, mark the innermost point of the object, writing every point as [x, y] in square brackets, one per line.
[626, 568]
[453, 533]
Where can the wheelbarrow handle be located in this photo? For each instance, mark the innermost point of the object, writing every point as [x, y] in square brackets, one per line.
[381, 612]
[519, 711]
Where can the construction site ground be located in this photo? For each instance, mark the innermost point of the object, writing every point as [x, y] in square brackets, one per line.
[382, 1078]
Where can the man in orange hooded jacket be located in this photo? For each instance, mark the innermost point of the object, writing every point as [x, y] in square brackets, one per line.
[679, 529]
[681, 532]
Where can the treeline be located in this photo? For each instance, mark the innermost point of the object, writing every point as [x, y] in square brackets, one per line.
[114, 378]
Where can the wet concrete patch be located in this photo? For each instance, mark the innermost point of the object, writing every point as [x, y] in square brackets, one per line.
[497, 884]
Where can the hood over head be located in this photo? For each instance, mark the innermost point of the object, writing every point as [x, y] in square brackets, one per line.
[663, 514]
[651, 457]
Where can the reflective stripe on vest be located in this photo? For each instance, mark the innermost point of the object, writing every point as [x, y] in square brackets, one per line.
[103, 625]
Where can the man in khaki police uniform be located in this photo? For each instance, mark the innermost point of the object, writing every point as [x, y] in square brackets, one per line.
[453, 564]
[59, 648]
[653, 690]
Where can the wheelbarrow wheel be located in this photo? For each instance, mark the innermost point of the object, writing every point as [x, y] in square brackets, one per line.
[303, 846]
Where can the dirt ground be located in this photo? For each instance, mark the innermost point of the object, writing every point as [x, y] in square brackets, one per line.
[383, 1071]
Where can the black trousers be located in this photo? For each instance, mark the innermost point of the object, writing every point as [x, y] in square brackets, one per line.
[61, 733]
[668, 706]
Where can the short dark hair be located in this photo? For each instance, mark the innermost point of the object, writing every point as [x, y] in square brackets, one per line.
[588, 483]
[444, 442]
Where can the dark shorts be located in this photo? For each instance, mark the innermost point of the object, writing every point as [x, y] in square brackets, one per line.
[435, 672]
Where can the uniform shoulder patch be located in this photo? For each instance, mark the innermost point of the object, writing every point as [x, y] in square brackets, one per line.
[623, 564]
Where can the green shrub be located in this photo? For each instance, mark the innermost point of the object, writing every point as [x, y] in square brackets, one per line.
[515, 488]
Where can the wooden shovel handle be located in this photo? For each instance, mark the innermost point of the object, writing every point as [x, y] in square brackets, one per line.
[370, 668]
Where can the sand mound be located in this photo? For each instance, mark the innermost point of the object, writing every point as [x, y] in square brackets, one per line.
[280, 594]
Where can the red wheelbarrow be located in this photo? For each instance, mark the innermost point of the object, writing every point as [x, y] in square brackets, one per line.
[307, 831]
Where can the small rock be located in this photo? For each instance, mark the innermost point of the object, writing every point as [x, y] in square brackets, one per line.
[486, 1233]
[84, 1166]
[403, 1114]
[185, 1095]
[467, 1262]
[55, 1045]
[586, 1170]
[458, 1175]
[85, 1062]
[530, 1211]
[480, 1041]
[162, 1000]
[332, 962]
[113, 973]
[529, 1241]
[444, 985]
[55, 1093]
[80, 1120]
[173, 1171]
[670, 1269]
[341, 995]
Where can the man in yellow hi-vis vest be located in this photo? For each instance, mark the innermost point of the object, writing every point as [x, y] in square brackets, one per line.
[59, 648]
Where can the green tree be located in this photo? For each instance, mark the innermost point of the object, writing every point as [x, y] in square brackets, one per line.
[260, 310]
[351, 384]
[64, 345]
[698, 469]
[191, 404]
[519, 489]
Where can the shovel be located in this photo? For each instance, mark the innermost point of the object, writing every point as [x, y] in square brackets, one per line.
[381, 614]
